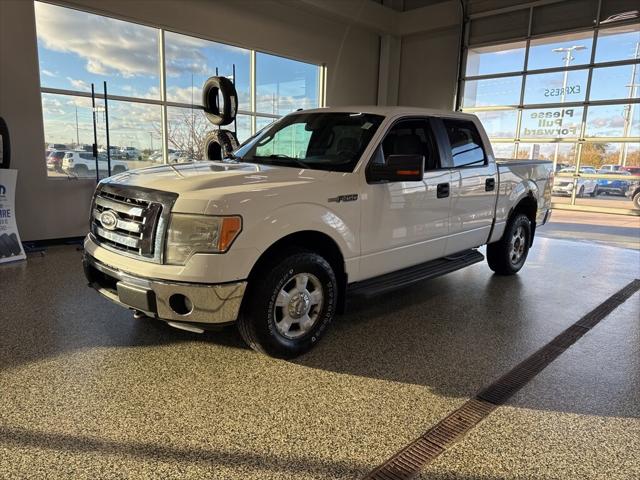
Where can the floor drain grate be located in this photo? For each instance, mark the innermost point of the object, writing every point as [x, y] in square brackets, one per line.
[408, 462]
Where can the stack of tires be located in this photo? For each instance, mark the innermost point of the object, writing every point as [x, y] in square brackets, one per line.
[220, 102]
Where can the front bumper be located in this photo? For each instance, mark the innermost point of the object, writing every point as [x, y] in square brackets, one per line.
[165, 300]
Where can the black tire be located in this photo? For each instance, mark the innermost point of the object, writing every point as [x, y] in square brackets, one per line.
[581, 192]
[213, 88]
[500, 255]
[218, 144]
[595, 192]
[258, 323]
[636, 200]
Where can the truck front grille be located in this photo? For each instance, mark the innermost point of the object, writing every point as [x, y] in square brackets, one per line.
[131, 221]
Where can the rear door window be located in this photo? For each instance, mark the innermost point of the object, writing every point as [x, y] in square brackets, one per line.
[465, 141]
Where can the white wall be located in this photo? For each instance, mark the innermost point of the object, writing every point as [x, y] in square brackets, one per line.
[57, 208]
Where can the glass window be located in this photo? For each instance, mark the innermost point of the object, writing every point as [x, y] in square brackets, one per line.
[613, 121]
[631, 156]
[596, 155]
[466, 145]
[262, 122]
[68, 126]
[551, 122]
[558, 87]
[243, 127]
[291, 141]
[503, 150]
[492, 92]
[322, 141]
[619, 43]
[284, 85]
[501, 58]
[565, 152]
[77, 48]
[560, 51]
[190, 61]
[186, 131]
[499, 123]
[134, 134]
[615, 82]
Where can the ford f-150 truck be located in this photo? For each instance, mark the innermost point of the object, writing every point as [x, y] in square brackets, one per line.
[319, 205]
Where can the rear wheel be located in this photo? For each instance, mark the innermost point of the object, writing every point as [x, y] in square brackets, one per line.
[507, 256]
[636, 200]
[595, 191]
[581, 192]
[288, 304]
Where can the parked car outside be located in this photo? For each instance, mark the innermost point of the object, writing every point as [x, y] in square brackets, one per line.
[633, 192]
[632, 170]
[83, 164]
[54, 160]
[564, 185]
[615, 186]
[611, 168]
[130, 153]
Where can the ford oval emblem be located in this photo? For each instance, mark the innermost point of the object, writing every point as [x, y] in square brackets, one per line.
[109, 219]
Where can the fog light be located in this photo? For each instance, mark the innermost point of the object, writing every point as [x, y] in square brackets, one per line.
[180, 304]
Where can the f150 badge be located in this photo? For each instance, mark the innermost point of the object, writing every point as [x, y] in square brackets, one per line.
[351, 197]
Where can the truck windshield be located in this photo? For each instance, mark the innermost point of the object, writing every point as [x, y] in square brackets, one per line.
[322, 141]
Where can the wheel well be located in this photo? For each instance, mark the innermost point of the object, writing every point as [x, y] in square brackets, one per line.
[529, 207]
[314, 241]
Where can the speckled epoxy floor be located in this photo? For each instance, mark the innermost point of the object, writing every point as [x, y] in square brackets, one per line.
[88, 392]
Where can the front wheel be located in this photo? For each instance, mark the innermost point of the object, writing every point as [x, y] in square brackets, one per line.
[636, 200]
[595, 192]
[507, 255]
[289, 304]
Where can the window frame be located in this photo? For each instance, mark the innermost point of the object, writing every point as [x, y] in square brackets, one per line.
[446, 143]
[597, 62]
[162, 101]
[431, 123]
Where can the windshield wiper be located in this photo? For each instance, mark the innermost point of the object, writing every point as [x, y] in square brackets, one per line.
[282, 156]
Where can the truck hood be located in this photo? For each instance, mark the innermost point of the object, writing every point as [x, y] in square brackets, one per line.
[190, 178]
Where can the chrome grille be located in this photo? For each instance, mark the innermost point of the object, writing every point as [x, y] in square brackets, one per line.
[137, 220]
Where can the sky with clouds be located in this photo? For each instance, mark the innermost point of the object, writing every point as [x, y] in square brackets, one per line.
[76, 48]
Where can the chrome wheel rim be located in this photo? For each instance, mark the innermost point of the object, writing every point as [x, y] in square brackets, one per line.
[517, 245]
[298, 305]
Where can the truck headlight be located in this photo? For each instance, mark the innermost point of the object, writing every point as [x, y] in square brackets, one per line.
[189, 234]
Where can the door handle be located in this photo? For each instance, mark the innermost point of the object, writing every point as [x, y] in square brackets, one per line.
[490, 184]
[443, 190]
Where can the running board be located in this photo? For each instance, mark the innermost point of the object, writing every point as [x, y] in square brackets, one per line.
[417, 273]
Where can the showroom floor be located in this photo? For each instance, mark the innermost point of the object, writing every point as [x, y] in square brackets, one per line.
[89, 392]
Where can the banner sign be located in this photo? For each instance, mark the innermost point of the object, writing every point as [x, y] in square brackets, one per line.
[10, 245]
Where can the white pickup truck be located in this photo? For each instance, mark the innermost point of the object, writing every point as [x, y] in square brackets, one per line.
[320, 205]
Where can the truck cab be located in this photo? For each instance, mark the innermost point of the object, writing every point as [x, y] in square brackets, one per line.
[320, 205]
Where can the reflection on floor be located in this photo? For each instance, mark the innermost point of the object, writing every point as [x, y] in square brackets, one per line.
[617, 230]
[88, 392]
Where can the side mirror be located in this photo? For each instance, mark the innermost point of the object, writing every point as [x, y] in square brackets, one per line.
[397, 168]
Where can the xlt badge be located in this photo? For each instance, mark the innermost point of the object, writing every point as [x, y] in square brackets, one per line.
[351, 197]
